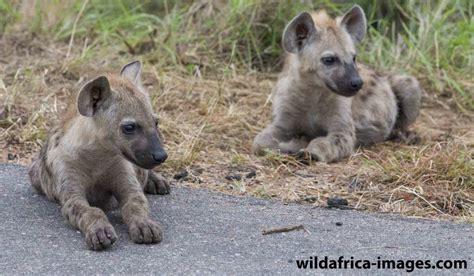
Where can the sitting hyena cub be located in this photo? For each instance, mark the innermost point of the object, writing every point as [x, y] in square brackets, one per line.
[325, 103]
[103, 149]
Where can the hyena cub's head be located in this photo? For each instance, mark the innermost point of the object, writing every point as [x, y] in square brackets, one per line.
[120, 108]
[325, 48]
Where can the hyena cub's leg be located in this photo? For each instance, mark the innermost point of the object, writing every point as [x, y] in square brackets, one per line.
[408, 93]
[156, 184]
[152, 182]
[91, 221]
[135, 212]
[332, 147]
[273, 138]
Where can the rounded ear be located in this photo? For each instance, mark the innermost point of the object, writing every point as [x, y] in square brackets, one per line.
[92, 96]
[133, 72]
[299, 33]
[355, 23]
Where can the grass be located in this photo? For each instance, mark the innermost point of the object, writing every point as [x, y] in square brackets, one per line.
[430, 39]
[210, 66]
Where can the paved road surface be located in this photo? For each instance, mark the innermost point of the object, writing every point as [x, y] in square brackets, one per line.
[209, 233]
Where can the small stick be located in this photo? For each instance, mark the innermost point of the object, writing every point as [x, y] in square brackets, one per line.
[283, 229]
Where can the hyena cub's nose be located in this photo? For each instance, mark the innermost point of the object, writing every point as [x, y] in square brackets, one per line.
[356, 84]
[160, 156]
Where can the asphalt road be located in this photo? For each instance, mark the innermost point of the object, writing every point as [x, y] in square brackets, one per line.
[210, 233]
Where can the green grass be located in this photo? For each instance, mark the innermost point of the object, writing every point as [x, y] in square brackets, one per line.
[7, 14]
[430, 39]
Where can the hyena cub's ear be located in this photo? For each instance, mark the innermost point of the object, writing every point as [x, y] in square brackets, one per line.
[299, 33]
[355, 23]
[133, 72]
[93, 95]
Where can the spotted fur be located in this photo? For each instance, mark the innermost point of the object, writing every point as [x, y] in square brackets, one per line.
[82, 164]
[319, 108]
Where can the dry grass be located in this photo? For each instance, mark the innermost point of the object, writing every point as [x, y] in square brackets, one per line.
[209, 124]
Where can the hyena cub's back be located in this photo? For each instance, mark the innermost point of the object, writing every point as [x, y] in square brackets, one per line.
[385, 106]
[325, 103]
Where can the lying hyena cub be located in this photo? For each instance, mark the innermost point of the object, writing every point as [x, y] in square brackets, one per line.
[325, 103]
[105, 148]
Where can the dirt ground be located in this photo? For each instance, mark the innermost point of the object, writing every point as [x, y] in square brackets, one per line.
[209, 124]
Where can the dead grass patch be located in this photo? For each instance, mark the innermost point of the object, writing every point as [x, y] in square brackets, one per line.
[209, 123]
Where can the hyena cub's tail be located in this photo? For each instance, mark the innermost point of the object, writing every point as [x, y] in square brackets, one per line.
[408, 93]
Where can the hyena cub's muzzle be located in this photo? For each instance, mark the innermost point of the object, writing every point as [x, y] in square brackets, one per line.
[348, 82]
[146, 150]
[157, 153]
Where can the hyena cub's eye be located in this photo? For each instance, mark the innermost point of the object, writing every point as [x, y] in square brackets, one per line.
[129, 128]
[330, 60]
[354, 58]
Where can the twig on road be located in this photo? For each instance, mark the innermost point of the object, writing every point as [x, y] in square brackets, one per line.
[283, 229]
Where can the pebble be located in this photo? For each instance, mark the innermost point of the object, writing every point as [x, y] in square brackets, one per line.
[231, 177]
[181, 174]
[251, 174]
[337, 201]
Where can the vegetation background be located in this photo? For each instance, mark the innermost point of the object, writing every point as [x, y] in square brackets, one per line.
[210, 66]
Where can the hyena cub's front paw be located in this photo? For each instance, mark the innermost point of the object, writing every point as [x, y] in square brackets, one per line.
[157, 184]
[145, 231]
[100, 236]
[319, 150]
[405, 137]
[305, 157]
[330, 149]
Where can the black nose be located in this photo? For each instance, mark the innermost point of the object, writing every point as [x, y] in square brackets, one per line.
[356, 83]
[160, 156]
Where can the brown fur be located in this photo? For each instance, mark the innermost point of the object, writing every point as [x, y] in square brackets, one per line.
[319, 106]
[82, 164]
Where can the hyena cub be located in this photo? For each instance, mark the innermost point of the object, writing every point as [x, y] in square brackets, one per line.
[324, 103]
[102, 151]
